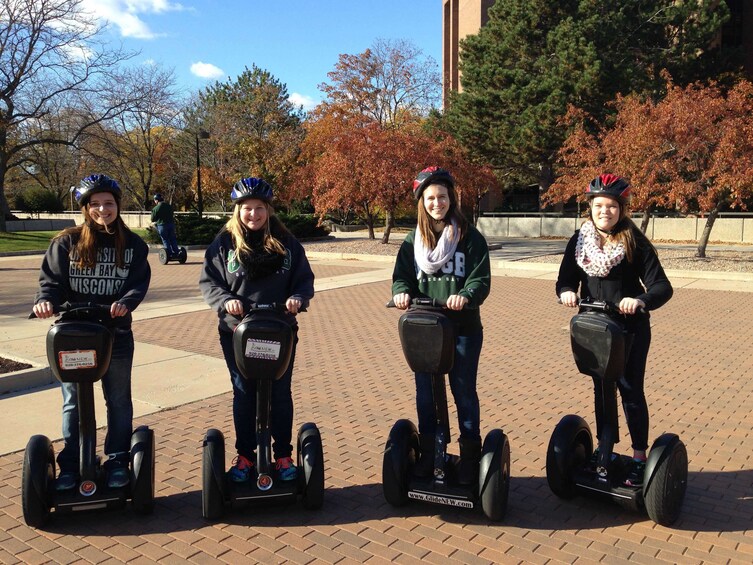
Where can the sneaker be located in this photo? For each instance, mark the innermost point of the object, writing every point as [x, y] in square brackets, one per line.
[287, 471]
[241, 469]
[66, 480]
[118, 477]
[635, 473]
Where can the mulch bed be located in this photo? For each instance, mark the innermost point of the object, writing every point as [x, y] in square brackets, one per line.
[8, 365]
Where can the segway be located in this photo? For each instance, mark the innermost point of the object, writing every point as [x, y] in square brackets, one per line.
[165, 256]
[601, 347]
[263, 346]
[79, 348]
[428, 340]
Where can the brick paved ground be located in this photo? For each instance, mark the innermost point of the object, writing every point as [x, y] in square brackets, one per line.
[351, 380]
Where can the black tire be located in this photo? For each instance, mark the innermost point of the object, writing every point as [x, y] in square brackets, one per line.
[665, 491]
[37, 481]
[311, 466]
[182, 255]
[570, 446]
[400, 455]
[142, 470]
[163, 256]
[494, 475]
[213, 475]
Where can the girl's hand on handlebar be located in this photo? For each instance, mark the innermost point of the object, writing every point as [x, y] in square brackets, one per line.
[293, 305]
[631, 305]
[402, 300]
[43, 309]
[117, 310]
[234, 307]
[569, 298]
[456, 302]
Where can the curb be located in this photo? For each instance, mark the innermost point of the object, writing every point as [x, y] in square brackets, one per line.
[26, 379]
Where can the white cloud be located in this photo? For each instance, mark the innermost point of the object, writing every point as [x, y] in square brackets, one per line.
[125, 14]
[307, 102]
[206, 70]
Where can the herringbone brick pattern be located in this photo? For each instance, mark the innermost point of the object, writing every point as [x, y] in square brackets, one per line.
[351, 379]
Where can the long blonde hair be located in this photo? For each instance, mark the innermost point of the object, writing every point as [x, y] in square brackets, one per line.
[85, 237]
[273, 229]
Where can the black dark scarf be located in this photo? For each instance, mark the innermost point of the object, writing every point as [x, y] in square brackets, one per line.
[260, 263]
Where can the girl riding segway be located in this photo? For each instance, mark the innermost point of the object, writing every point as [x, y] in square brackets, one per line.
[609, 259]
[256, 260]
[446, 258]
[99, 261]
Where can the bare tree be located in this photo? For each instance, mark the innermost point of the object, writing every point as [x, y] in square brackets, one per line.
[52, 57]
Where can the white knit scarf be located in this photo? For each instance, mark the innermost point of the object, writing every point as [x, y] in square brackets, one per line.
[594, 260]
[429, 261]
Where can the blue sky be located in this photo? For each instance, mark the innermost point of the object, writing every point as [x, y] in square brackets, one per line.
[298, 41]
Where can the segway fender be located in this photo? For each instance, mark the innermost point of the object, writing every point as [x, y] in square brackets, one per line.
[400, 434]
[142, 469]
[660, 450]
[309, 462]
[215, 436]
[492, 449]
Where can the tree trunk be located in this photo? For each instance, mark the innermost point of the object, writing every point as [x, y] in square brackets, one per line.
[389, 223]
[703, 242]
[646, 219]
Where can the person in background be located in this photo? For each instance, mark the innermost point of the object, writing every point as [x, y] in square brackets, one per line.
[256, 260]
[610, 259]
[164, 220]
[446, 258]
[103, 262]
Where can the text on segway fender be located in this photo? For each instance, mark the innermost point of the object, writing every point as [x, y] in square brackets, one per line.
[440, 499]
[78, 359]
[262, 349]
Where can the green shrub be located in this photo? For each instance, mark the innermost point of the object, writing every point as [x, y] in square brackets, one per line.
[37, 200]
[303, 226]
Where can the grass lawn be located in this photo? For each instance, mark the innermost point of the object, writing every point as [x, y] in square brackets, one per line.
[33, 240]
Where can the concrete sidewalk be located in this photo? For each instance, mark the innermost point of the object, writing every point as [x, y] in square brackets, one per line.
[351, 379]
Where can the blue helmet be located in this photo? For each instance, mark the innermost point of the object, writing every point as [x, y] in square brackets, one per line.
[158, 197]
[251, 187]
[93, 184]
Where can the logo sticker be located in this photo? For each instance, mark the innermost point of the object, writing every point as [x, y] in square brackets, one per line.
[77, 359]
[87, 488]
[440, 499]
[263, 349]
[264, 482]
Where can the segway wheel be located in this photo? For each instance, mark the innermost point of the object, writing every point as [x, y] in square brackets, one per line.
[400, 455]
[142, 470]
[37, 478]
[311, 466]
[494, 475]
[182, 255]
[213, 475]
[164, 256]
[570, 446]
[665, 490]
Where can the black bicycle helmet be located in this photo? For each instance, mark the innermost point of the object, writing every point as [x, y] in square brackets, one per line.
[251, 187]
[158, 197]
[93, 184]
[609, 185]
[431, 175]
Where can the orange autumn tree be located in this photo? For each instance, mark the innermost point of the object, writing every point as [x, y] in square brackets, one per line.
[691, 150]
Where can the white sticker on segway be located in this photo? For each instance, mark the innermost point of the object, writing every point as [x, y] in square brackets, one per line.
[263, 349]
[440, 499]
[79, 359]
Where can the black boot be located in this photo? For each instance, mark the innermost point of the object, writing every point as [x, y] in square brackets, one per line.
[425, 464]
[470, 454]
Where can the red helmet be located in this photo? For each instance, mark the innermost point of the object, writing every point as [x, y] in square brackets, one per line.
[609, 185]
[431, 175]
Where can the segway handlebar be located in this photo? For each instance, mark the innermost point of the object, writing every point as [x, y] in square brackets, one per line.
[269, 307]
[93, 307]
[600, 306]
[422, 301]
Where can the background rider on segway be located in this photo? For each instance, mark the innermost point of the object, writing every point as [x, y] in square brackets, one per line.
[164, 220]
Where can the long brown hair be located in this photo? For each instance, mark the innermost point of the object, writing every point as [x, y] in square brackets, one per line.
[273, 229]
[453, 213]
[85, 238]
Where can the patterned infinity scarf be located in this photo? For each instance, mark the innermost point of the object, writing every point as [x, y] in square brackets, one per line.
[429, 261]
[594, 260]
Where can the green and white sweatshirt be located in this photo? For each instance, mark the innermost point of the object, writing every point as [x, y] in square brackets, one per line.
[467, 273]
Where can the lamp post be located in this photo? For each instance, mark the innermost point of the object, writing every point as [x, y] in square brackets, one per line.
[200, 204]
[71, 191]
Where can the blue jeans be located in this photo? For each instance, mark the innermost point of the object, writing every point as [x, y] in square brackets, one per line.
[244, 406]
[169, 240]
[463, 387]
[116, 385]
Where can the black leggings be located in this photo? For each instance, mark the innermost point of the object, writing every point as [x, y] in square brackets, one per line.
[631, 389]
